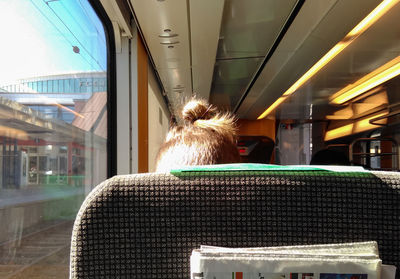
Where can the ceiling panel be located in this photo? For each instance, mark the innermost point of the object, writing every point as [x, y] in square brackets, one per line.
[205, 23]
[231, 77]
[165, 27]
[249, 28]
[248, 31]
[277, 73]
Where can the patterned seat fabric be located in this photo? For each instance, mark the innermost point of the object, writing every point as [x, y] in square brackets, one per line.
[145, 226]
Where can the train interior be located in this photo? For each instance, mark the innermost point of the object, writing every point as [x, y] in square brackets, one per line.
[88, 90]
[296, 78]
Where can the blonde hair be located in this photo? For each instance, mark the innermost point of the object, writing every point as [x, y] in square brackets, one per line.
[206, 137]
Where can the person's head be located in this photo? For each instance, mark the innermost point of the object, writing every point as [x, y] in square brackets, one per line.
[206, 137]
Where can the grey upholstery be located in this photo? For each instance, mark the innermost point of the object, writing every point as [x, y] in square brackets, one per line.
[145, 226]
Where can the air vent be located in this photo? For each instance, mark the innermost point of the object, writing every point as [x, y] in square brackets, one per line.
[168, 36]
[170, 43]
[178, 89]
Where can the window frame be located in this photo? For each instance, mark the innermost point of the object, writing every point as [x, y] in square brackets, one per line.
[111, 88]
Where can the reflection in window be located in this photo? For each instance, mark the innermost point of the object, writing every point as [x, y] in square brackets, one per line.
[53, 136]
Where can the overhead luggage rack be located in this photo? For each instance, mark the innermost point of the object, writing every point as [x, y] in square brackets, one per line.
[391, 119]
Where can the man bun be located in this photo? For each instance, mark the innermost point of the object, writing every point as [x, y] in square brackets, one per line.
[197, 109]
[201, 114]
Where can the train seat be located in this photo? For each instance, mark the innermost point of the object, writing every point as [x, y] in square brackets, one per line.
[146, 225]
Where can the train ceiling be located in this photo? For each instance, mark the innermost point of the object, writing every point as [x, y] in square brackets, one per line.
[243, 55]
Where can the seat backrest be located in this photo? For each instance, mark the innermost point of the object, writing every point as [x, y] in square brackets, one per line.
[145, 226]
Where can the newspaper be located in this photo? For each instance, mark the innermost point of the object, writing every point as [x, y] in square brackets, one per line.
[333, 261]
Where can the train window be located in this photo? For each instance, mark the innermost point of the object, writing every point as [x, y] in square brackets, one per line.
[52, 129]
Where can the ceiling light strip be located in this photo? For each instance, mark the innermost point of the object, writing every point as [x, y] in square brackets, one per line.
[370, 19]
[371, 80]
[272, 107]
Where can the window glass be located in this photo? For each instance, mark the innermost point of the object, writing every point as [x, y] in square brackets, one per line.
[55, 86]
[52, 134]
[45, 86]
[40, 86]
[50, 86]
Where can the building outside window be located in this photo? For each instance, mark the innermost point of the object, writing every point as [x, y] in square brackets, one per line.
[53, 134]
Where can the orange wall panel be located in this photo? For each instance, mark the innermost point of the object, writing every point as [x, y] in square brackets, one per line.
[143, 117]
[263, 127]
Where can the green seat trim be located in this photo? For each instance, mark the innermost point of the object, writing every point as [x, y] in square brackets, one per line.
[266, 167]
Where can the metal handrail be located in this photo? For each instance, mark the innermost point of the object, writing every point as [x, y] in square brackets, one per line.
[396, 112]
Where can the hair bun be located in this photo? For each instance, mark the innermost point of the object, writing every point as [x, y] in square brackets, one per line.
[198, 109]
